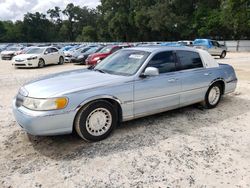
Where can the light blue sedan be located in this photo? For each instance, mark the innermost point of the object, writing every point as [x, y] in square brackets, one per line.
[129, 84]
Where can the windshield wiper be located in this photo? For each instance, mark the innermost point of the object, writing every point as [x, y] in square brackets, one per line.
[99, 70]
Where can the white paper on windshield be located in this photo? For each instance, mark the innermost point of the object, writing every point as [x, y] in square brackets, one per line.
[136, 56]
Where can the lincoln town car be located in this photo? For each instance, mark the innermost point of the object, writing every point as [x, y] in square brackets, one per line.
[129, 84]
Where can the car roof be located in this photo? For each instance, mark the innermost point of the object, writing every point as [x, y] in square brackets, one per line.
[157, 48]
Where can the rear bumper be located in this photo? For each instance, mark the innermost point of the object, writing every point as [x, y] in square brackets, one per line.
[43, 123]
[231, 86]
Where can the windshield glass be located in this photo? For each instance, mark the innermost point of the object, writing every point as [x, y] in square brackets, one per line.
[35, 51]
[106, 49]
[13, 49]
[125, 62]
[92, 50]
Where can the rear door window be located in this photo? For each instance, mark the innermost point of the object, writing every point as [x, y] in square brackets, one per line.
[189, 60]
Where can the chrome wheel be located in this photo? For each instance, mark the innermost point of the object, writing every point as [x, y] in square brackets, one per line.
[98, 122]
[214, 95]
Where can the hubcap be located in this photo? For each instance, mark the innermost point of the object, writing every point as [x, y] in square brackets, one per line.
[98, 122]
[214, 95]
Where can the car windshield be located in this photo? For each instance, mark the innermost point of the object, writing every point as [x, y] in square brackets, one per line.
[92, 50]
[13, 49]
[125, 62]
[35, 51]
[106, 49]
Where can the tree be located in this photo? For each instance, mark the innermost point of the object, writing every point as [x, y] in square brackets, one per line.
[88, 34]
[2, 32]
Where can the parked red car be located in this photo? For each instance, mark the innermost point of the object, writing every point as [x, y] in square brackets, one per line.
[102, 54]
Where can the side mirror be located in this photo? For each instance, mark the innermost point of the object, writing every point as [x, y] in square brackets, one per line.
[45, 53]
[150, 71]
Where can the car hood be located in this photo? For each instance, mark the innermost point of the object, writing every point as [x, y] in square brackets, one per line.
[99, 54]
[25, 56]
[71, 81]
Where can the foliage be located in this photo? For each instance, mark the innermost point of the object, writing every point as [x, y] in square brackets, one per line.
[134, 20]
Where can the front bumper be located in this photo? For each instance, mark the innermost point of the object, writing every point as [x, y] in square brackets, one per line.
[67, 59]
[25, 63]
[7, 57]
[43, 123]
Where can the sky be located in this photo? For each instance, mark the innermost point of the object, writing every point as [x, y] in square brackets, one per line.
[15, 9]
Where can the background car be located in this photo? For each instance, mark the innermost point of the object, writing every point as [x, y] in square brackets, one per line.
[186, 42]
[10, 52]
[74, 52]
[39, 57]
[103, 53]
[212, 46]
[80, 59]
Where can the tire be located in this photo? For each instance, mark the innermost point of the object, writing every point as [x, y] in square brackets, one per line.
[223, 54]
[41, 63]
[95, 121]
[61, 60]
[213, 96]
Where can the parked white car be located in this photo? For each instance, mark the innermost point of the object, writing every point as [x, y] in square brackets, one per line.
[39, 57]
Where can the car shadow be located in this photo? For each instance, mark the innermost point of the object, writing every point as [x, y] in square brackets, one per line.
[143, 132]
[31, 68]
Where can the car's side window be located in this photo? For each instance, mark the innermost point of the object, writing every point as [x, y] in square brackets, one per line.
[189, 60]
[164, 61]
[53, 50]
[48, 50]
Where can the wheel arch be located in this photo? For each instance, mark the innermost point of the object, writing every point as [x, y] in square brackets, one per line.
[115, 102]
[221, 81]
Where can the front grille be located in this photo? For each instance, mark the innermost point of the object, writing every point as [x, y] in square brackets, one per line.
[19, 60]
[19, 100]
[20, 64]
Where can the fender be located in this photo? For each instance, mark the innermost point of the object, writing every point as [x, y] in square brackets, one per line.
[96, 98]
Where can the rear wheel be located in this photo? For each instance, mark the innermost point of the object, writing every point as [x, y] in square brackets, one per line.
[41, 63]
[223, 54]
[213, 96]
[95, 121]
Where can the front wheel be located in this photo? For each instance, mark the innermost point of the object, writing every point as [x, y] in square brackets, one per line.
[61, 60]
[95, 121]
[223, 54]
[41, 63]
[213, 96]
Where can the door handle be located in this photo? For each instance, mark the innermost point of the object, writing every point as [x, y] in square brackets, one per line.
[207, 74]
[172, 80]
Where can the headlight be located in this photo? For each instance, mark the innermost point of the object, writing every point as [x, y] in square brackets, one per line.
[31, 58]
[96, 58]
[45, 104]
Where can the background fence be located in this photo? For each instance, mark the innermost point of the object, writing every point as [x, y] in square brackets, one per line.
[237, 46]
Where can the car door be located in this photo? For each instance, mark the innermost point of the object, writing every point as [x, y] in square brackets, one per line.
[54, 55]
[158, 93]
[218, 48]
[195, 78]
[48, 56]
[215, 48]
